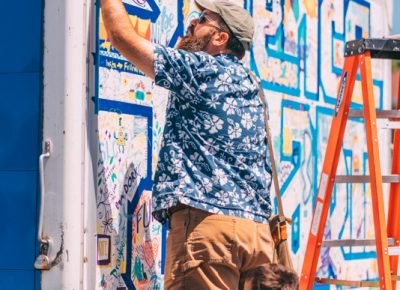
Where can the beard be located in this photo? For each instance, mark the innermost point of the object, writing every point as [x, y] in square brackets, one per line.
[193, 43]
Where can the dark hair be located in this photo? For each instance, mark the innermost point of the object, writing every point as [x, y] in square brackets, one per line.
[274, 277]
[233, 45]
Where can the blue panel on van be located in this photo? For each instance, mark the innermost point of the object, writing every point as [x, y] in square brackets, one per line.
[20, 23]
[16, 280]
[18, 211]
[19, 121]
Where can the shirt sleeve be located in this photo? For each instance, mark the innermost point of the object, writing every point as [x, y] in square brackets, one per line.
[178, 70]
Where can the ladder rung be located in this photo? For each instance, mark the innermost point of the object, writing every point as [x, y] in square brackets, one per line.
[365, 178]
[394, 251]
[352, 283]
[347, 282]
[380, 114]
[388, 125]
[353, 243]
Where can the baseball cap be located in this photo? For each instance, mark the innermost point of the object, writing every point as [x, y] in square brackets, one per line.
[236, 18]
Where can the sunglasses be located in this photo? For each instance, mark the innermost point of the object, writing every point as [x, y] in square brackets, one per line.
[203, 18]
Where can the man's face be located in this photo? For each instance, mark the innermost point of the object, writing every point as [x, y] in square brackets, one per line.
[200, 32]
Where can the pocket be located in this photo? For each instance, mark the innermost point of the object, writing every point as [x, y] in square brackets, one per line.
[207, 252]
[210, 240]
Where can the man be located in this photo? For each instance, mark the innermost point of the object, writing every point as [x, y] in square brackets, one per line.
[213, 177]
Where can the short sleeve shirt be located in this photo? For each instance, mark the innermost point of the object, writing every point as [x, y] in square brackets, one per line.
[214, 153]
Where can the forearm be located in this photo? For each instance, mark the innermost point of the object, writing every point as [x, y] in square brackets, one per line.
[124, 38]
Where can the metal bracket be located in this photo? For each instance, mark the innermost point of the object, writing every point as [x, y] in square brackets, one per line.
[385, 48]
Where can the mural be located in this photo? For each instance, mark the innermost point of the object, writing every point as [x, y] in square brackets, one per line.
[298, 54]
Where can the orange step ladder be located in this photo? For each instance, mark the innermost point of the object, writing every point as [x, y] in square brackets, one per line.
[358, 54]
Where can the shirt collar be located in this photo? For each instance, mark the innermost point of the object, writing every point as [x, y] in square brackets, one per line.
[228, 56]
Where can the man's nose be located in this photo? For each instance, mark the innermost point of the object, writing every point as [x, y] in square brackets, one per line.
[194, 22]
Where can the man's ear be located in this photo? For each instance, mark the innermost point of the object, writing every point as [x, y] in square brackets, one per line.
[221, 38]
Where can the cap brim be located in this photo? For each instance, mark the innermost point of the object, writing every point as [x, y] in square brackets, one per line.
[206, 4]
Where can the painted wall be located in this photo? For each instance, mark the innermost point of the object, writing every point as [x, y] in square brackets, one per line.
[298, 54]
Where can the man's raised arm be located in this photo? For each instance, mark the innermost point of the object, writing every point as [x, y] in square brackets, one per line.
[124, 38]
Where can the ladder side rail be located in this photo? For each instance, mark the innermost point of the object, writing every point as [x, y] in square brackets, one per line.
[327, 179]
[375, 172]
[394, 198]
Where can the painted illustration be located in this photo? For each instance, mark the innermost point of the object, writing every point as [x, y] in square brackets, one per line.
[298, 53]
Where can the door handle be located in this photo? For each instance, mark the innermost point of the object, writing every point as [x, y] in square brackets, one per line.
[42, 262]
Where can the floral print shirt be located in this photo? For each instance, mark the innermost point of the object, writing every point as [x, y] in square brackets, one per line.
[214, 153]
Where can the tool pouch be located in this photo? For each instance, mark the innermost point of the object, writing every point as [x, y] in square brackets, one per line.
[278, 227]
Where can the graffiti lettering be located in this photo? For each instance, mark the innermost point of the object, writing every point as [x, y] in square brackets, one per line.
[144, 216]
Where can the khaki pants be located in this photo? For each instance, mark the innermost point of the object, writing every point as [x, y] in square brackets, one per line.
[209, 251]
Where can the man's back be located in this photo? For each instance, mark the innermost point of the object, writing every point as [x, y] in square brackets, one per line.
[213, 159]
[214, 153]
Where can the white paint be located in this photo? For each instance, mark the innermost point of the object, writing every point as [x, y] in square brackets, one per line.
[65, 95]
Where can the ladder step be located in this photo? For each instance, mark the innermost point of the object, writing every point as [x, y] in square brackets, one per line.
[365, 178]
[347, 282]
[380, 114]
[353, 243]
[394, 251]
[388, 125]
[352, 283]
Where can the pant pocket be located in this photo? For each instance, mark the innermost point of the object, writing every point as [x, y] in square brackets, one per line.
[209, 266]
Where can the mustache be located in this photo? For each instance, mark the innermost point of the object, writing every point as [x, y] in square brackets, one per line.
[190, 30]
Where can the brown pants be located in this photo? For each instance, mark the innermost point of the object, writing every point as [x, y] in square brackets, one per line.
[210, 251]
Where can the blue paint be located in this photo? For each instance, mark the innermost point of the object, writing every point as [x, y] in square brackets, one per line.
[296, 158]
[17, 279]
[18, 190]
[164, 247]
[21, 127]
[180, 28]
[19, 121]
[152, 13]
[21, 35]
[296, 230]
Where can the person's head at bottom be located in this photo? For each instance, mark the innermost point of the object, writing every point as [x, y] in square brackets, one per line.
[271, 277]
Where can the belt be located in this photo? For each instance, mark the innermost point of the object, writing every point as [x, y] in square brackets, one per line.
[179, 206]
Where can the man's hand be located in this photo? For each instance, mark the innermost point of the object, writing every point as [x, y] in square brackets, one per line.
[124, 38]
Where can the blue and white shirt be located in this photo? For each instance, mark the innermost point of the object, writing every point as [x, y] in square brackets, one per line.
[214, 153]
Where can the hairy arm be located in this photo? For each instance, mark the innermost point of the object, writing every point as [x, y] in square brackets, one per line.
[124, 38]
